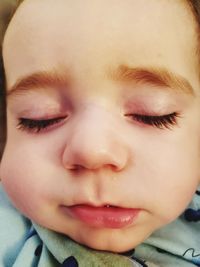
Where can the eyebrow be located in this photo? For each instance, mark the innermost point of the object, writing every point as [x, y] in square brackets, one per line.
[38, 81]
[159, 77]
[156, 76]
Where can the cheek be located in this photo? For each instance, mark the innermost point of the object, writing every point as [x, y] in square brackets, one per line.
[21, 182]
[171, 174]
[177, 182]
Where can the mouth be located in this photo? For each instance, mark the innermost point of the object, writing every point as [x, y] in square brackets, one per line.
[106, 216]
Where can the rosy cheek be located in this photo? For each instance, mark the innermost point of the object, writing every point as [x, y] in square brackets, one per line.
[13, 176]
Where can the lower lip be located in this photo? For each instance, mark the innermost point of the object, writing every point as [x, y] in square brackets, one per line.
[103, 217]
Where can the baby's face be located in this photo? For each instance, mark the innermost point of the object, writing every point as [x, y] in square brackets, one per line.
[103, 140]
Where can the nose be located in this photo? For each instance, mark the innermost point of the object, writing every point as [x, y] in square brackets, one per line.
[94, 142]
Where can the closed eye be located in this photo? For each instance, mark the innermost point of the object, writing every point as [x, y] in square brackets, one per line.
[162, 122]
[37, 126]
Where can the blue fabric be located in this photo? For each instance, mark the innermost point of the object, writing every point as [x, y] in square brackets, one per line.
[177, 244]
[24, 243]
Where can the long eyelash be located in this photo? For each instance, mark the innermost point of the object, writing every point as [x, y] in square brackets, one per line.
[36, 125]
[161, 122]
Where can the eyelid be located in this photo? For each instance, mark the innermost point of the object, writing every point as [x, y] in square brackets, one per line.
[38, 125]
[41, 114]
[39, 108]
[166, 121]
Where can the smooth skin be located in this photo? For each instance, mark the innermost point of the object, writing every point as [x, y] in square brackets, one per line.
[98, 153]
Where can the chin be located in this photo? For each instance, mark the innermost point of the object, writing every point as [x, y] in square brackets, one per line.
[116, 248]
[111, 243]
[116, 240]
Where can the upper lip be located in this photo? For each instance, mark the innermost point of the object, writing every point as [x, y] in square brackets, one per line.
[97, 205]
[84, 200]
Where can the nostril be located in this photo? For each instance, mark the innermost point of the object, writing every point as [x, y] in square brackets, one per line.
[94, 165]
[74, 167]
[115, 168]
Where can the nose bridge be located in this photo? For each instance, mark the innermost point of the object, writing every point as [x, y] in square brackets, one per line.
[93, 141]
[97, 121]
[91, 132]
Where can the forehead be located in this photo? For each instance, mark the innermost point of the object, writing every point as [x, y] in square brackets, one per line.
[79, 33]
